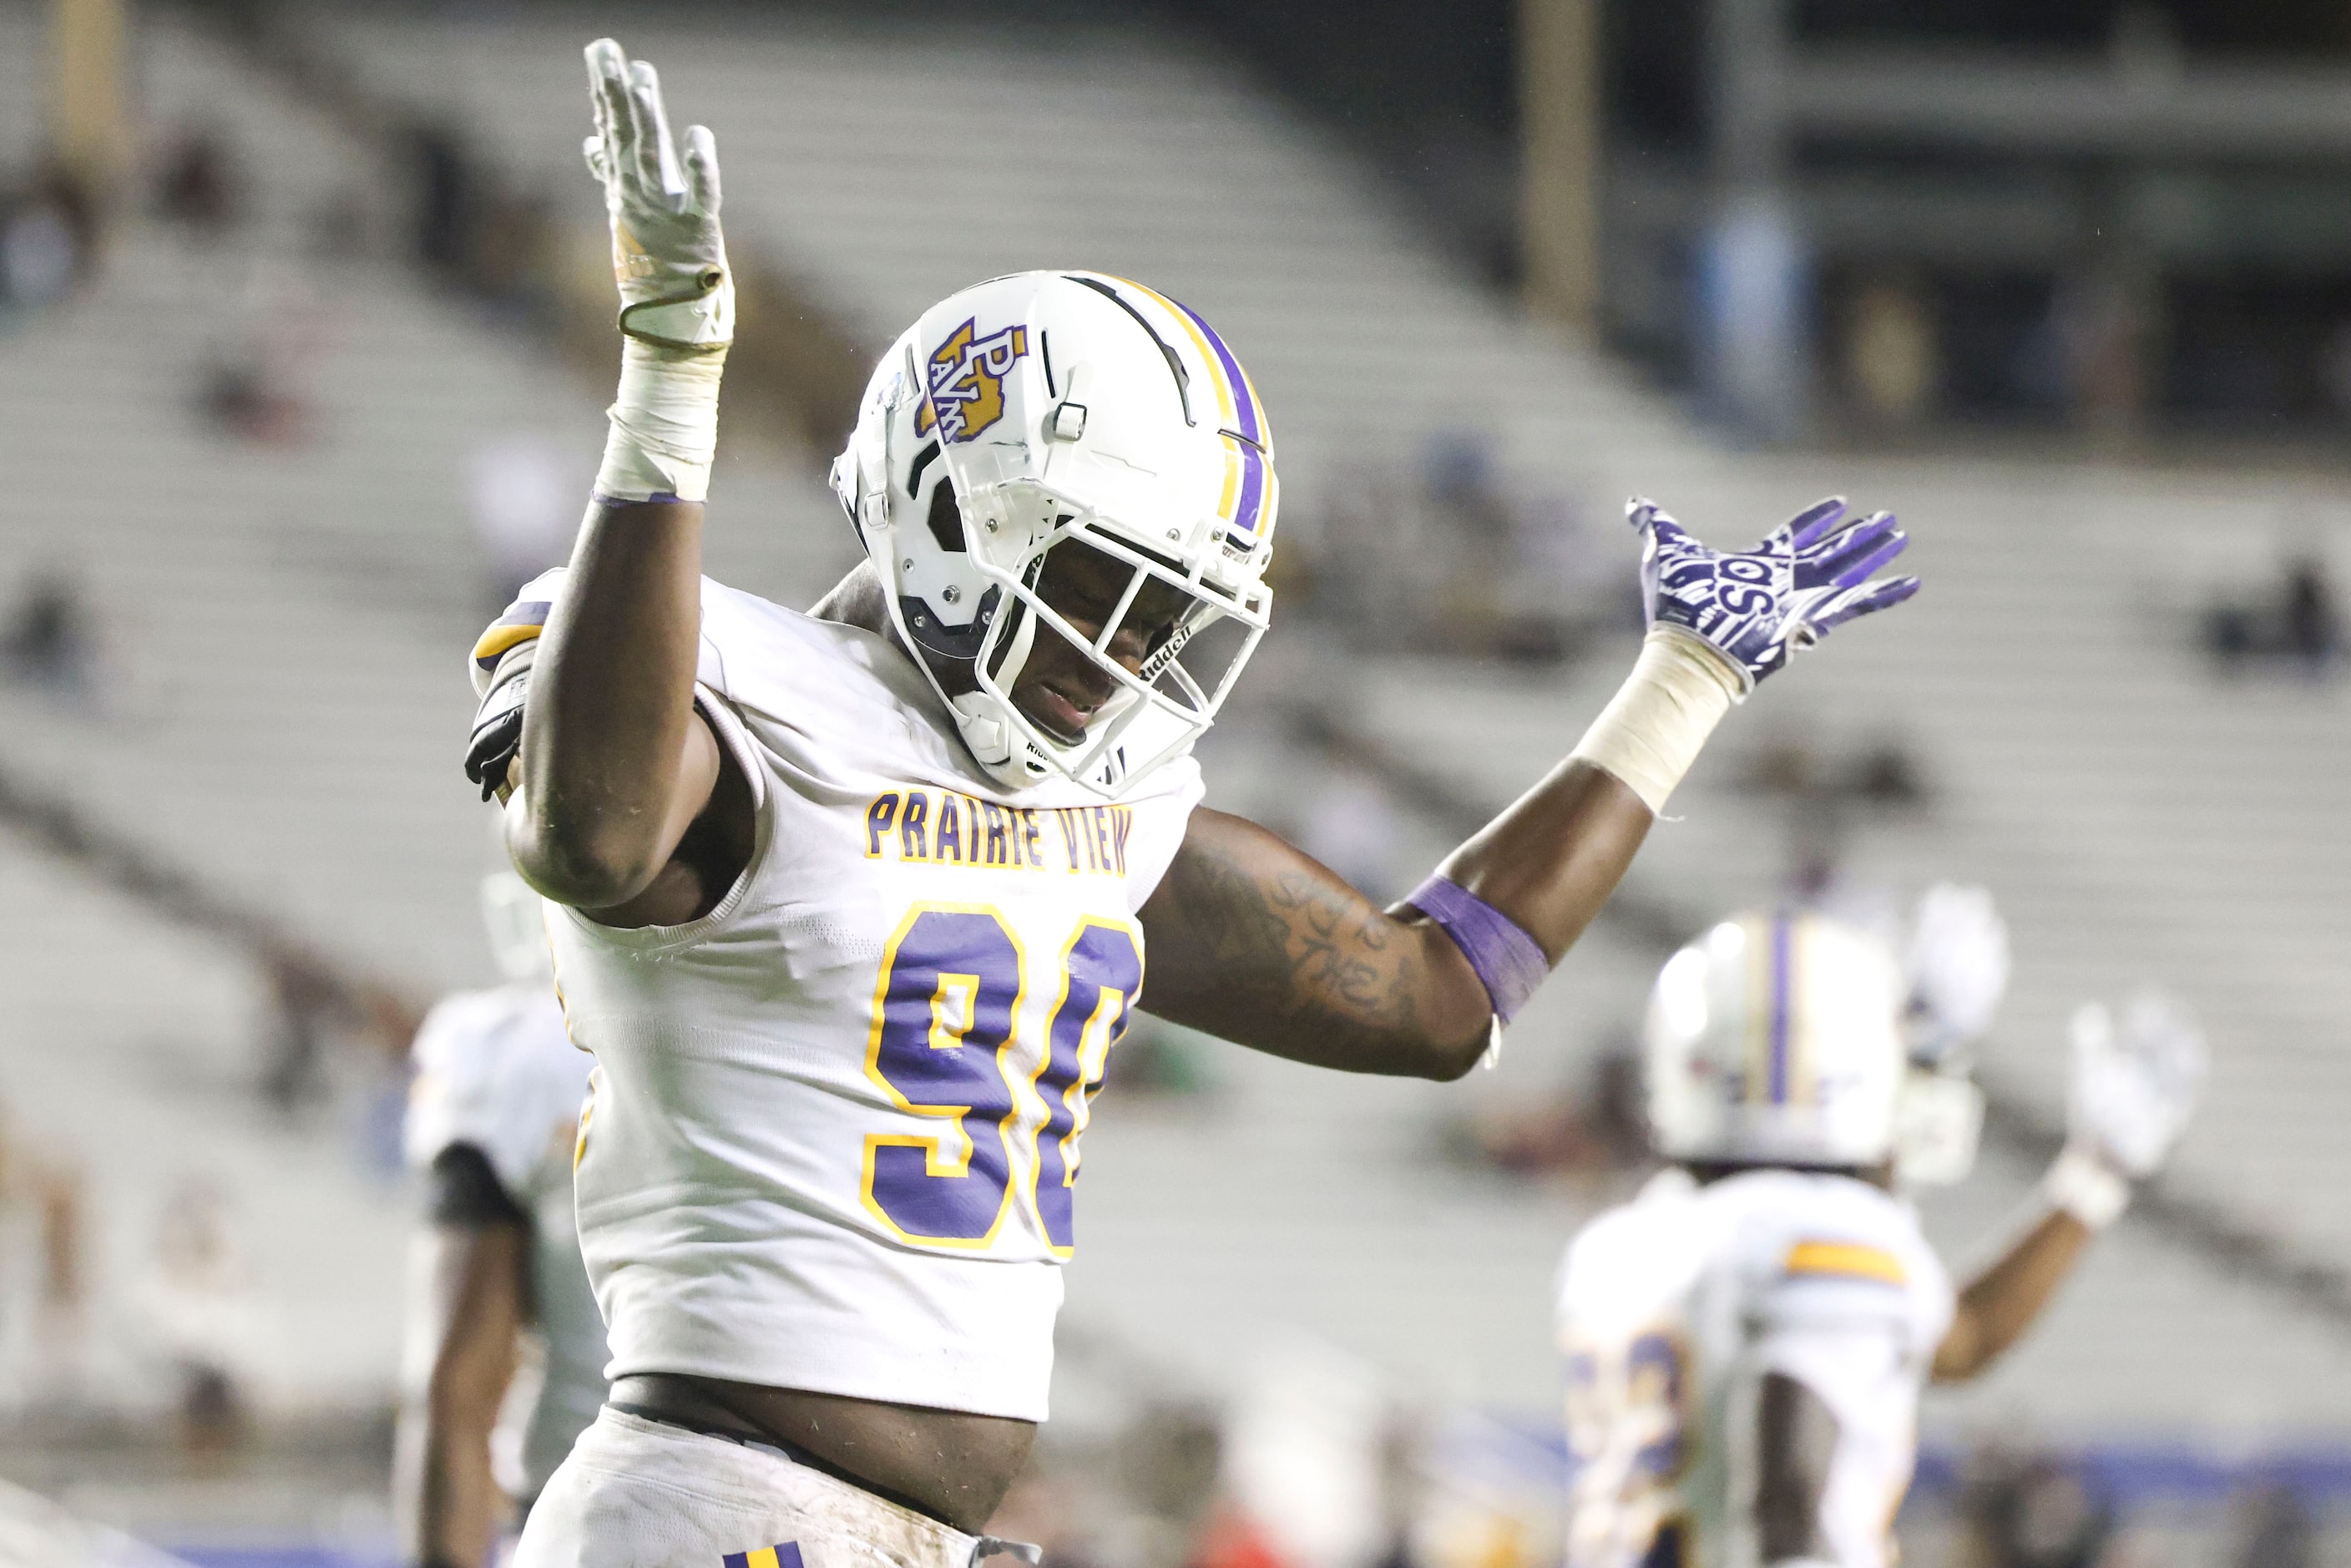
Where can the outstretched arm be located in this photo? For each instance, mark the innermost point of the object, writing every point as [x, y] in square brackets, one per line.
[2005, 1296]
[615, 766]
[2136, 1083]
[1251, 940]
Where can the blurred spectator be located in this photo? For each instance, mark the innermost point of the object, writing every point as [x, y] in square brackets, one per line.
[2037, 1512]
[197, 185]
[2104, 319]
[1892, 357]
[512, 260]
[244, 398]
[443, 180]
[44, 1202]
[1593, 1131]
[47, 641]
[2299, 624]
[525, 496]
[49, 239]
[2279, 1530]
[1754, 284]
[1824, 794]
[311, 1003]
[1449, 555]
[200, 1316]
[2313, 631]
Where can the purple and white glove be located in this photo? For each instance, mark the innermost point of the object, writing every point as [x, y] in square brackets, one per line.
[1809, 574]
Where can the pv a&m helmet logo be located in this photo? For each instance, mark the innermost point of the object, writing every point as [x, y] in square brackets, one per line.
[967, 376]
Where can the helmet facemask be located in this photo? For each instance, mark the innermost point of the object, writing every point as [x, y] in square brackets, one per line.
[1196, 638]
[972, 590]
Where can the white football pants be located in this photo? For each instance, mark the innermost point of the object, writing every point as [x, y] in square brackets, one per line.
[641, 1494]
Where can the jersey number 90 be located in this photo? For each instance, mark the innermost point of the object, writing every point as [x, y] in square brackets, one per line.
[945, 1043]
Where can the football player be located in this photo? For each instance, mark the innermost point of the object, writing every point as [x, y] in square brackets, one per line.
[853, 904]
[493, 1119]
[1747, 1339]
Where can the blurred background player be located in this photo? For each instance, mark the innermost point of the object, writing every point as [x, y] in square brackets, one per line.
[504, 1363]
[1746, 1338]
[855, 902]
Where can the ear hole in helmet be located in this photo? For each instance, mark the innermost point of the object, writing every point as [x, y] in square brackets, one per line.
[946, 522]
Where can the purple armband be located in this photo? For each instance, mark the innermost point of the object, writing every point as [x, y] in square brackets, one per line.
[1510, 962]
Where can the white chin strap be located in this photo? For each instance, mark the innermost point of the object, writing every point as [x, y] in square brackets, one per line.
[984, 731]
[994, 743]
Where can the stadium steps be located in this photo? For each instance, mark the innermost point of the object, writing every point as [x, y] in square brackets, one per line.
[2135, 820]
[283, 699]
[128, 1057]
[279, 700]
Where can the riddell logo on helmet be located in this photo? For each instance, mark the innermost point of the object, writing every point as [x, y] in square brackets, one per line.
[967, 380]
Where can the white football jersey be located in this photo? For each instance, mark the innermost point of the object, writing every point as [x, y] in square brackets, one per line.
[1672, 1308]
[835, 1121]
[495, 1070]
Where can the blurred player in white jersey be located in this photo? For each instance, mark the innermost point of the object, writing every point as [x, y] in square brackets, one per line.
[855, 902]
[1747, 1339]
[492, 1122]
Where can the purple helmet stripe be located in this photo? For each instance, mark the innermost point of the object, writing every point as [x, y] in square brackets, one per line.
[1251, 506]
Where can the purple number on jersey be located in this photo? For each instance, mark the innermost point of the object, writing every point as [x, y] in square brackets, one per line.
[1653, 1371]
[943, 1020]
[1103, 970]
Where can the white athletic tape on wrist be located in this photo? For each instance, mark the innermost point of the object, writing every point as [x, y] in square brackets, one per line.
[665, 424]
[2084, 1186]
[1651, 731]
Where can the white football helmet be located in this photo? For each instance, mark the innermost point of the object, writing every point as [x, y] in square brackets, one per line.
[1777, 1040]
[1045, 407]
[514, 916]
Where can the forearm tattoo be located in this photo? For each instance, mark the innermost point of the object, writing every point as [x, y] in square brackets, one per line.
[1252, 940]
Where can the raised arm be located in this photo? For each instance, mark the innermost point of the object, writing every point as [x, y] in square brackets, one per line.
[2004, 1296]
[1251, 940]
[614, 766]
[2136, 1083]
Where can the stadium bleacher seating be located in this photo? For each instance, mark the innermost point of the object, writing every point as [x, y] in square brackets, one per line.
[2136, 821]
[884, 171]
[280, 700]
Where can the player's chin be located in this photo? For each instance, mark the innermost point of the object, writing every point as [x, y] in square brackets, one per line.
[1054, 715]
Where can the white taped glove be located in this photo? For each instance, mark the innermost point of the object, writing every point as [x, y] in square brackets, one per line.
[2136, 1083]
[668, 255]
[1959, 968]
[677, 297]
